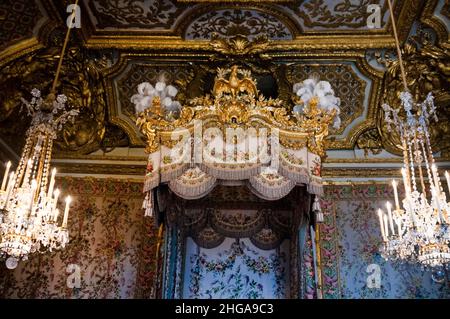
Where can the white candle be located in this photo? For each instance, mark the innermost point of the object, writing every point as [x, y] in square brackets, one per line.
[52, 183]
[386, 228]
[394, 185]
[380, 217]
[391, 222]
[5, 177]
[66, 211]
[11, 182]
[447, 177]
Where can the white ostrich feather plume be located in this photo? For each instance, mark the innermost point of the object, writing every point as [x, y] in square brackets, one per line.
[323, 91]
[146, 93]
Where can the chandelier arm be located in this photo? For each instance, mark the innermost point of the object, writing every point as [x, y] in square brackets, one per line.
[63, 51]
[397, 44]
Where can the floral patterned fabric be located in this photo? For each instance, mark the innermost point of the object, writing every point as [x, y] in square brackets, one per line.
[350, 239]
[110, 241]
[114, 246]
[236, 270]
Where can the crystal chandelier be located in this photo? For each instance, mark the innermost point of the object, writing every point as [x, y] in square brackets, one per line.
[416, 229]
[28, 201]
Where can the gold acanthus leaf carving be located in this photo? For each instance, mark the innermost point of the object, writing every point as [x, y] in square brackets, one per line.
[239, 44]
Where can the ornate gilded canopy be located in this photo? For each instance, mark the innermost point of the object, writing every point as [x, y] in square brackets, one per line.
[234, 135]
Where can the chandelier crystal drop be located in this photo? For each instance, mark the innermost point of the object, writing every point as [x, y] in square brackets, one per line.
[28, 201]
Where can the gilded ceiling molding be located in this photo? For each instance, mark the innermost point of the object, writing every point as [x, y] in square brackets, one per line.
[426, 67]
[164, 43]
[135, 14]
[19, 50]
[431, 20]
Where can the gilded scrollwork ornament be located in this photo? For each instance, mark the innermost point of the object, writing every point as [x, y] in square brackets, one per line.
[426, 66]
[235, 101]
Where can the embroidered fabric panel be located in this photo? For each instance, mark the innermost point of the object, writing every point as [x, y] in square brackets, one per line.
[236, 269]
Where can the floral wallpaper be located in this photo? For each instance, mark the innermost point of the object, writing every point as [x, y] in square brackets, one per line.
[111, 244]
[350, 238]
[236, 269]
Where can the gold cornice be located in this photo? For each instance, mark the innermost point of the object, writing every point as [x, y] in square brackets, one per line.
[155, 43]
[18, 50]
[139, 169]
[359, 172]
[101, 169]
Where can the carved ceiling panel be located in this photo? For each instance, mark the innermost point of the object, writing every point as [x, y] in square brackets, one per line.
[278, 20]
[312, 15]
[227, 23]
[18, 19]
[327, 15]
[147, 14]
